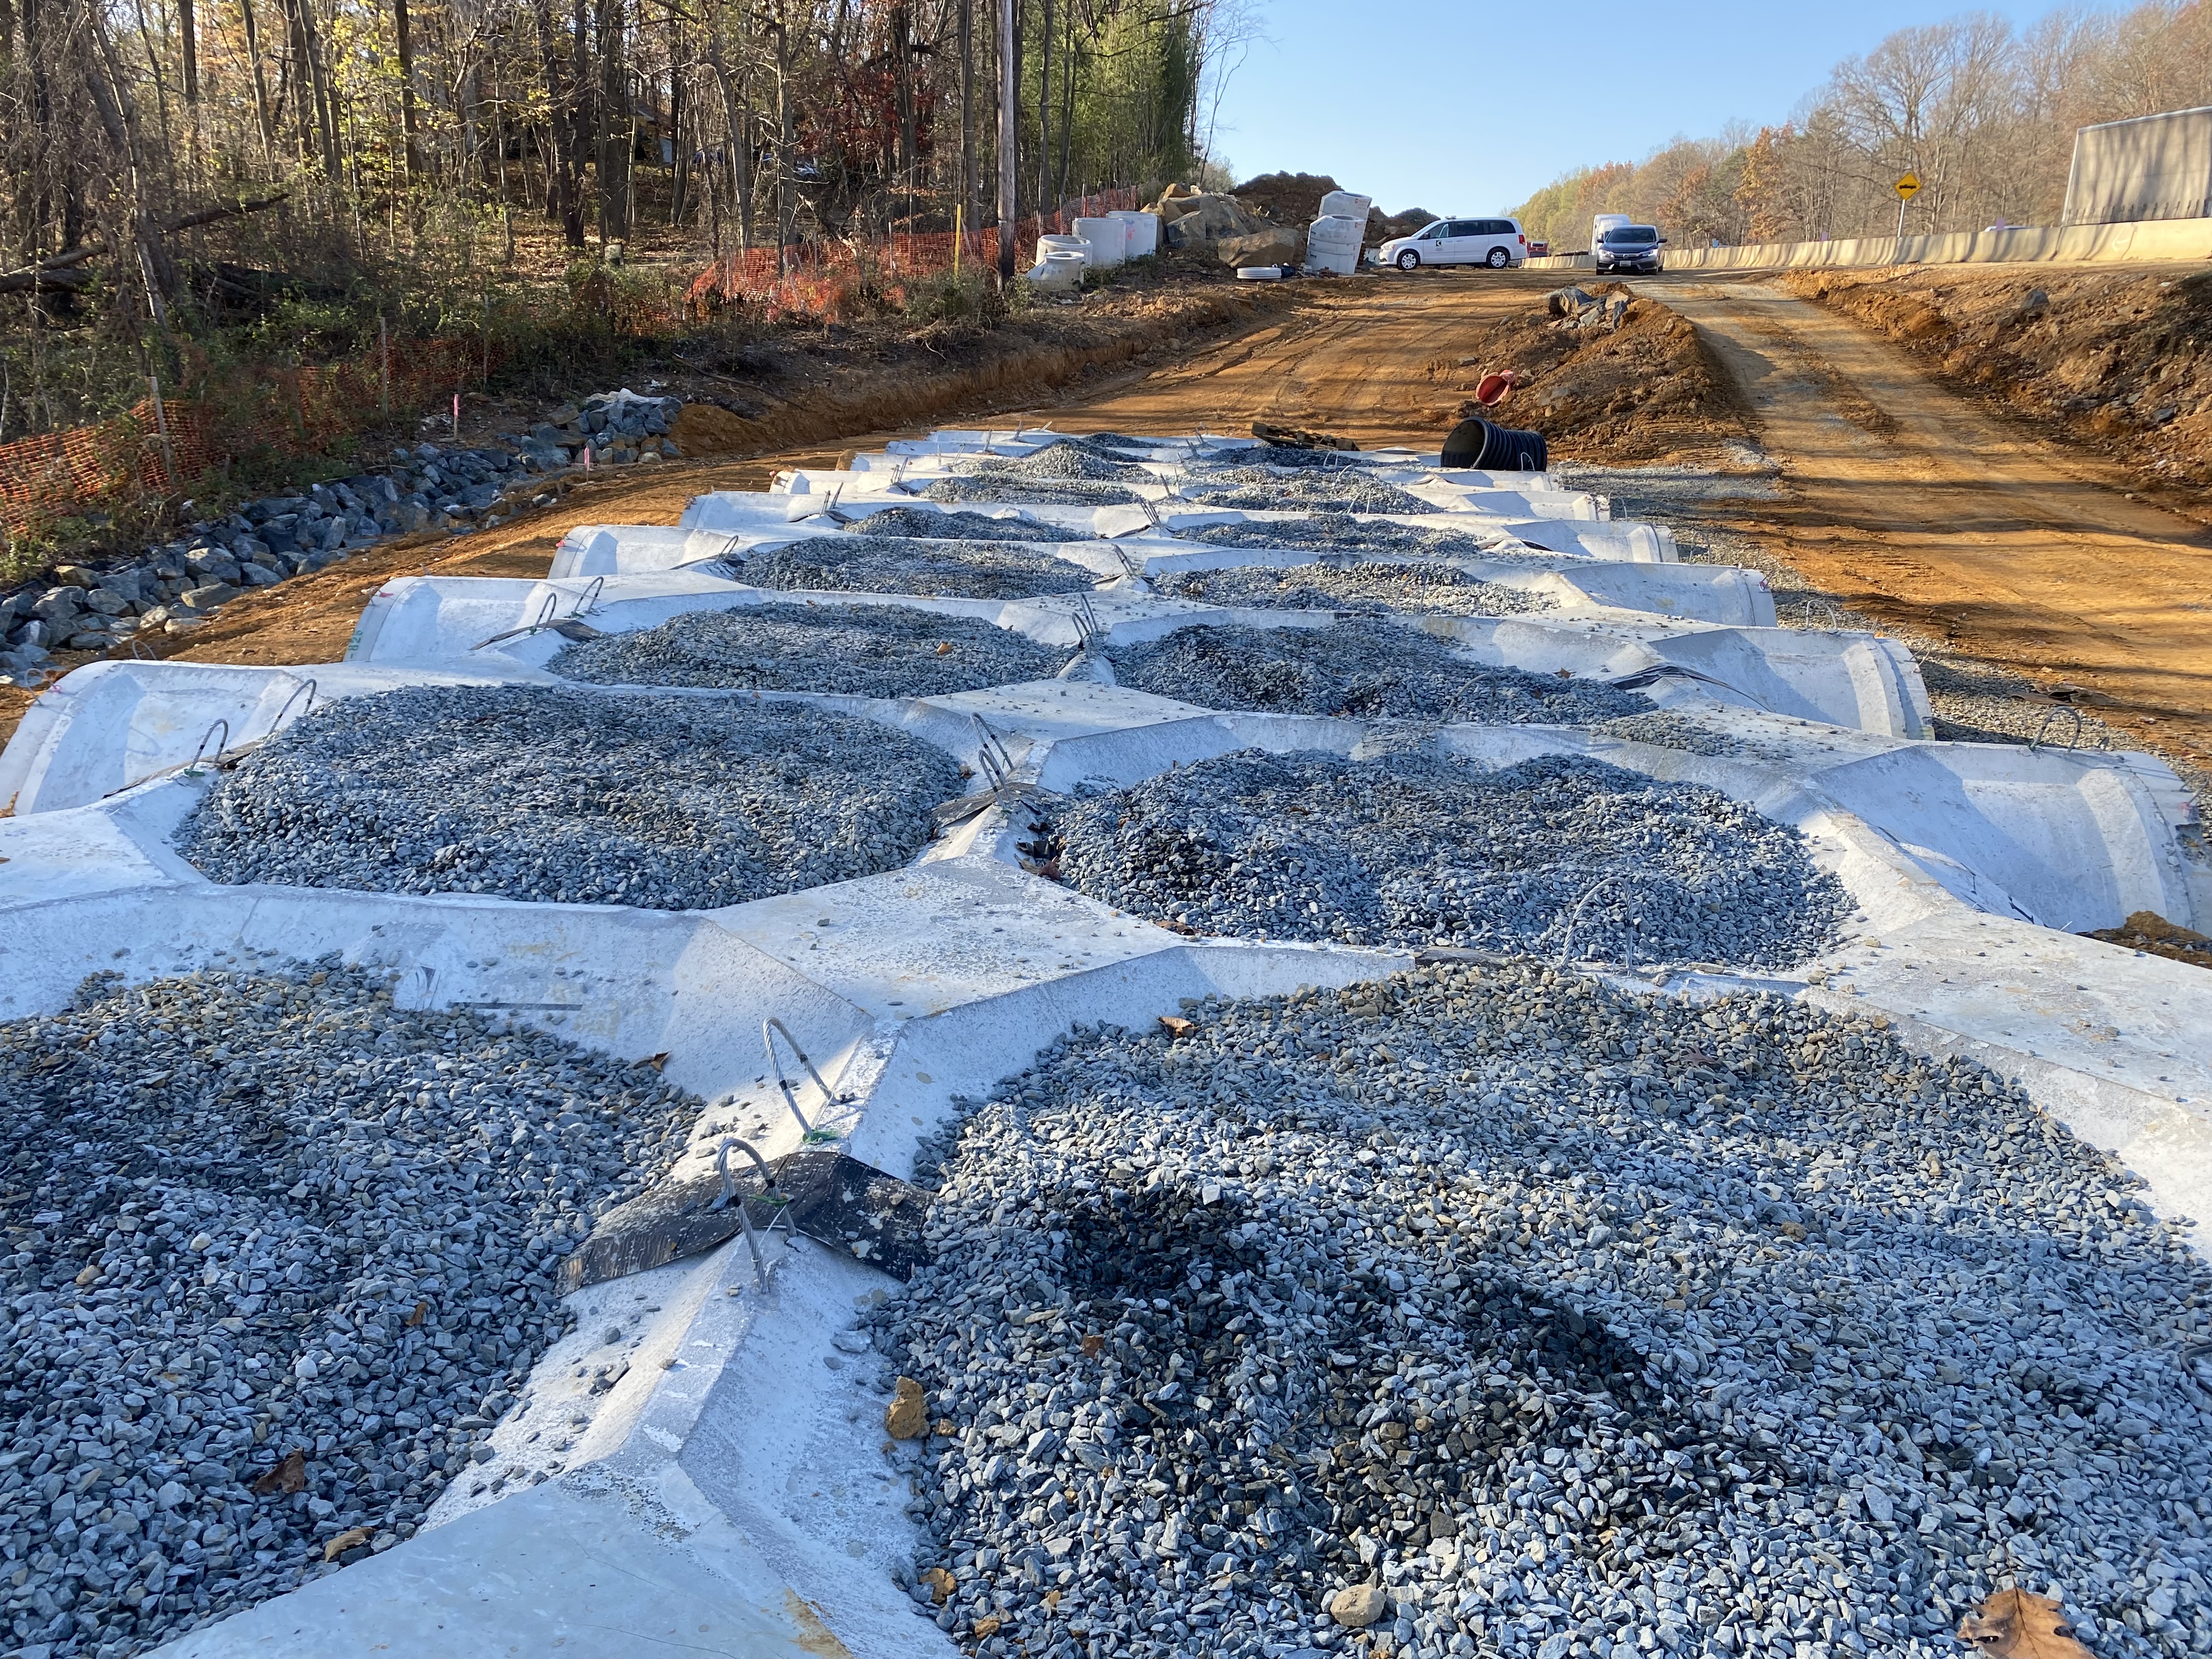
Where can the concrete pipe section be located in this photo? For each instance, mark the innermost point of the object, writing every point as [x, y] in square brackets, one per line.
[697, 1462]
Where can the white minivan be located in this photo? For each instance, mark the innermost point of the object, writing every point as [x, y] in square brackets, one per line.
[1496, 243]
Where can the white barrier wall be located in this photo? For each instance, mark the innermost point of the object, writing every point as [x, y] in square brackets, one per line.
[2153, 239]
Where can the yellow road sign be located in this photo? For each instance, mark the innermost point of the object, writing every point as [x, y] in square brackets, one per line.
[1907, 187]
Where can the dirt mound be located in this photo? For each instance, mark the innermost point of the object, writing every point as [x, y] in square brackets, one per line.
[1288, 198]
[1645, 391]
[2119, 361]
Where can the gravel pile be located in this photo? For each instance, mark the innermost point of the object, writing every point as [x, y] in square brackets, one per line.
[1324, 460]
[929, 525]
[1065, 492]
[866, 650]
[1365, 589]
[1362, 668]
[1062, 461]
[1488, 1311]
[279, 1255]
[1557, 855]
[1341, 532]
[864, 563]
[1256, 489]
[572, 797]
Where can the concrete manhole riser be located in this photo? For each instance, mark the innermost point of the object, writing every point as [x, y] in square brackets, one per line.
[699, 1435]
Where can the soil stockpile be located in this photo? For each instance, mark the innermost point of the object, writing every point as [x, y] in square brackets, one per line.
[281, 1254]
[1360, 668]
[571, 796]
[863, 563]
[864, 650]
[1498, 1311]
[1555, 855]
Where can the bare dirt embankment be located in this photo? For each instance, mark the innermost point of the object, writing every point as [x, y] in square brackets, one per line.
[2114, 362]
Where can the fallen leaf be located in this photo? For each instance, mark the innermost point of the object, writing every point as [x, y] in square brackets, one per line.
[2015, 1624]
[1093, 1345]
[659, 1062]
[289, 1476]
[940, 1584]
[987, 1627]
[352, 1538]
[416, 1318]
[1177, 1027]
[946, 649]
[1051, 1600]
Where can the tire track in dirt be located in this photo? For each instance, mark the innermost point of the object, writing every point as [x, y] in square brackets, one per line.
[1940, 518]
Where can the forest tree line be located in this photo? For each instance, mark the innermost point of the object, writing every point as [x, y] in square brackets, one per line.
[166, 165]
[1983, 112]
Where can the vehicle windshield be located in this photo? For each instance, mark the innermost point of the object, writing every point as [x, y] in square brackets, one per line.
[1630, 235]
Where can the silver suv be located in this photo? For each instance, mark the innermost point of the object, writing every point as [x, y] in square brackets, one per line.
[1629, 247]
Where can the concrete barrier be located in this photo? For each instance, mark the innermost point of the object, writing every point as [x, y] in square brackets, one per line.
[2149, 241]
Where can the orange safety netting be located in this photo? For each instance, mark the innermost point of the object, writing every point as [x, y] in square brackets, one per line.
[287, 412]
[815, 276]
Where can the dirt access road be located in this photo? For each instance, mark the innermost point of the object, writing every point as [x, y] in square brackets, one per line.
[1927, 511]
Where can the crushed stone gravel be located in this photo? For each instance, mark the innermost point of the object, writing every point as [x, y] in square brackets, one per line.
[259, 1213]
[1558, 854]
[863, 650]
[1359, 667]
[1560, 1319]
[995, 488]
[572, 797]
[1500, 1312]
[1062, 461]
[1367, 588]
[929, 524]
[1256, 489]
[1342, 532]
[898, 564]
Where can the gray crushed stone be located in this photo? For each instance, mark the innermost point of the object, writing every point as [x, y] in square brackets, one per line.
[1366, 589]
[992, 489]
[1341, 532]
[1256, 489]
[930, 524]
[1360, 667]
[1320, 460]
[572, 797]
[1557, 855]
[862, 563]
[863, 650]
[1573, 1322]
[259, 1210]
[1062, 462]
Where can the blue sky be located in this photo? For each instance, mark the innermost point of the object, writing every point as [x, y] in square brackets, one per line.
[1459, 107]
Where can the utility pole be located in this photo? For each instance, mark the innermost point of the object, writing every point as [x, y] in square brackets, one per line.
[1009, 138]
